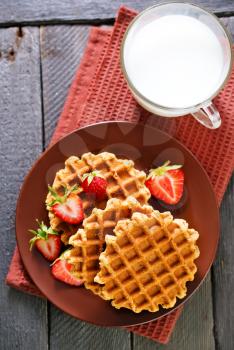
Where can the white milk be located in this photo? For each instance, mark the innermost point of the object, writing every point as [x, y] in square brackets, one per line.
[174, 61]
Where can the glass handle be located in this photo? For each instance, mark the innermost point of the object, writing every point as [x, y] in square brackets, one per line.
[208, 116]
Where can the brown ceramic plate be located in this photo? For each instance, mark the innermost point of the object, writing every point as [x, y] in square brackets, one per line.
[148, 147]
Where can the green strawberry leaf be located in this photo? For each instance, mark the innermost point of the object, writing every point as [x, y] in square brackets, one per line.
[85, 176]
[32, 242]
[71, 190]
[33, 232]
[52, 232]
[53, 202]
[52, 191]
[61, 199]
[160, 171]
[90, 179]
[91, 175]
[41, 233]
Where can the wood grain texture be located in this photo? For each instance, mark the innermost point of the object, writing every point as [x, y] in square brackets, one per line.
[61, 50]
[23, 319]
[68, 333]
[57, 11]
[223, 277]
[229, 23]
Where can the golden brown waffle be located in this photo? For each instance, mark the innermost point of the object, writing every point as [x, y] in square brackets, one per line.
[89, 242]
[122, 178]
[148, 262]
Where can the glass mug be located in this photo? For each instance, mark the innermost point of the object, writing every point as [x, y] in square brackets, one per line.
[203, 110]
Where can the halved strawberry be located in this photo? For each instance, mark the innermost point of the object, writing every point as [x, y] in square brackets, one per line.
[166, 183]
[47, 241]
[62, 271]
[69, 207]
[94, 183]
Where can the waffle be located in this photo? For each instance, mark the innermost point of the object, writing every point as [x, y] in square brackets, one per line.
[89, 242]
[148, 262]
[122, 178]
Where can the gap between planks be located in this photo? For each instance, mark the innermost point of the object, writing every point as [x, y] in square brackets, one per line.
[92, 22]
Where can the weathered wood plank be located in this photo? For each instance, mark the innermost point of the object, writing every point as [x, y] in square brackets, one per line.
[56, 11]
[229, 23]
[23, 319]
[61, 50]
[223, 277]
[68, 333]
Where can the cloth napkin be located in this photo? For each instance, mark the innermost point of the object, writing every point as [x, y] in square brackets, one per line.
[99, 92]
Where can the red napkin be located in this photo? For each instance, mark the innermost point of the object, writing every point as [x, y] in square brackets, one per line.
[99, 92]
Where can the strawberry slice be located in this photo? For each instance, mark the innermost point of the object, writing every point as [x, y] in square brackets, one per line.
[50, 248]
[166, 183]
[71, 211]
[94, 183]
[62, 271]
[69, 207]
[47, 241]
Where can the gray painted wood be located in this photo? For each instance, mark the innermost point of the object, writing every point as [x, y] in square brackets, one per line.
[61, 51]
[55, 11]
[229, 23]
[23, 319]
[223, 276]
[67, 333]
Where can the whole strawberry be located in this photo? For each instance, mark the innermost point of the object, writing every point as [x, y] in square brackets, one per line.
[69, 207]
[166, 183]
[47, 241]
[94, 183]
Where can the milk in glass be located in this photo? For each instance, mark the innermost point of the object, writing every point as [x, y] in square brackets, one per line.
[175, 61]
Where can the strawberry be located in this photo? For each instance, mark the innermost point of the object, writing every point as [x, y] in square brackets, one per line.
[94, 183]
[62, 271]
[68, 207]
[47, 241]
[166, 183]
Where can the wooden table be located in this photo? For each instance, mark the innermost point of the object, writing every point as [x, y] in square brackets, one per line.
[41, 43]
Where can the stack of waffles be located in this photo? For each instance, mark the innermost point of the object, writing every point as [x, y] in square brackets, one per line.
[125, 251]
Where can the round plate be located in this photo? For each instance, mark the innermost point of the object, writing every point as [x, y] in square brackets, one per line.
[148, 147]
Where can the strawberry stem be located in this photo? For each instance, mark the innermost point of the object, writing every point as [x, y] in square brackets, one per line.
[61, 199]
[160, 171]
[91, 175]
[41, 233]
[31, 242]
